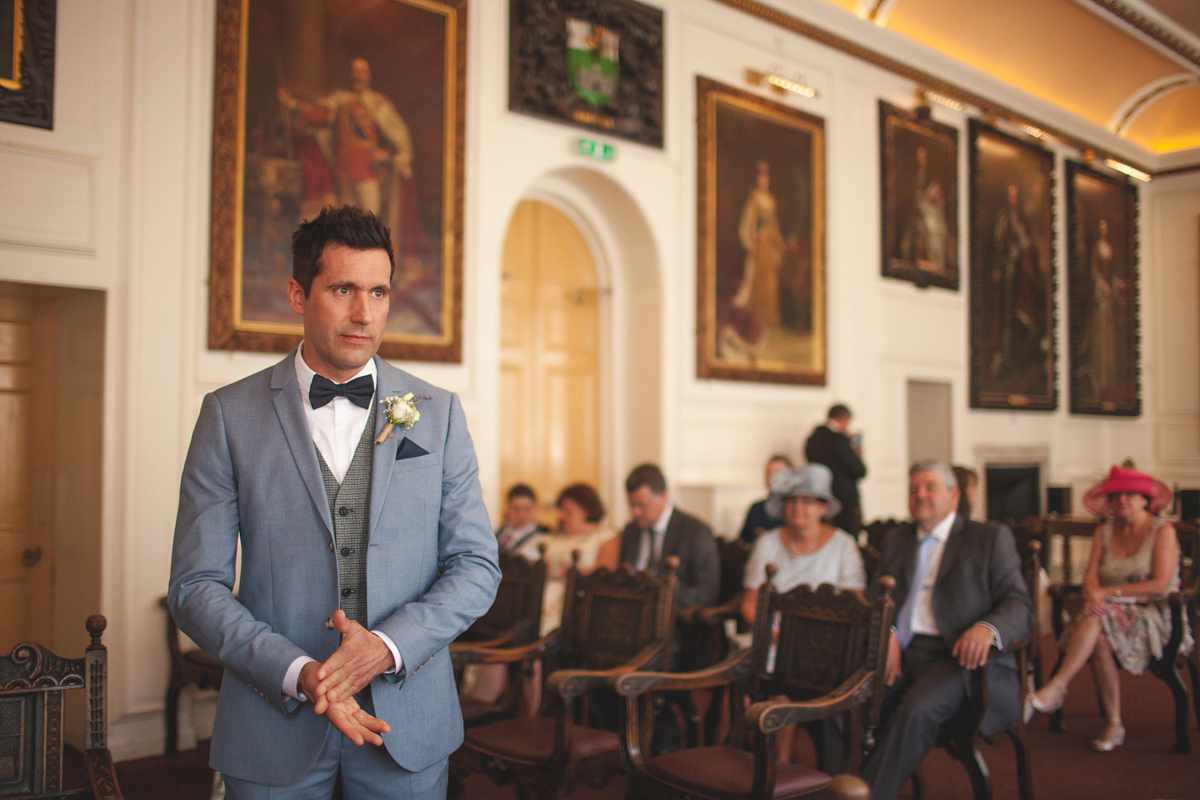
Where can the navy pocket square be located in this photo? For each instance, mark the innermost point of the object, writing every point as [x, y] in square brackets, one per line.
[409, 449]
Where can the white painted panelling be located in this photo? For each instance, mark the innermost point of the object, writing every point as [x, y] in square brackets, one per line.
[50, 203]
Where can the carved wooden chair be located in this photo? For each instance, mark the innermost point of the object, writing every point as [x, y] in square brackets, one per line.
[189, 667]
[32, 684]
[1166, 668]
[613, 622]
[512, 621]
[960, 735]
[829, 656]
[877, 532]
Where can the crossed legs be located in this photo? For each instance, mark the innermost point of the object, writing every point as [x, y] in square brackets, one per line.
[1087, 642]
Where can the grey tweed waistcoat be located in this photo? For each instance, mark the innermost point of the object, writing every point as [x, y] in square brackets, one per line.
[350, 506]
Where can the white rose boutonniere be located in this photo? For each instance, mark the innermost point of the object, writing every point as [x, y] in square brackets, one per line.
[400, 411]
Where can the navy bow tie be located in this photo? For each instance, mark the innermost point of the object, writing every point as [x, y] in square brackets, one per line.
[358, 391]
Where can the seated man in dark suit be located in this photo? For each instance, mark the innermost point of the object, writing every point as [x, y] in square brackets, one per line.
[521, 528]
[959, 592]
[659, 530]
[758, 521]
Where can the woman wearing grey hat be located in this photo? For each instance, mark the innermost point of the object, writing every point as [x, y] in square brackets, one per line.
[805, 549]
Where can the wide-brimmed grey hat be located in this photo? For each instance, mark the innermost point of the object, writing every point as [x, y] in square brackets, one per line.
[808, 480]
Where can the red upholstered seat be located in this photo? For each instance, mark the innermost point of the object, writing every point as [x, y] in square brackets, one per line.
[532, 739]
[728, 773]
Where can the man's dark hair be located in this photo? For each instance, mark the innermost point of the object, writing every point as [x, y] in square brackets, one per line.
[648, 475]
[782, 458]
[838, 411]
[584, 496]
[346, 225]
[521, 490]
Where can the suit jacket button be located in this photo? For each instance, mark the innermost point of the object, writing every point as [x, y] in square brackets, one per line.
[331, 545]
[329, 624]
[347, 592]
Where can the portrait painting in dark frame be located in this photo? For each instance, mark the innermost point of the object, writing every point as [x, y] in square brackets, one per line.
[919, 193]
[1013, 358]
[341, 102]
[595, 64]
[1102, 293]
[760, 243]
[27, 44]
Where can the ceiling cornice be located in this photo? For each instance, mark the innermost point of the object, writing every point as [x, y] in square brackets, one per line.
[924, 79]
[1139, 21]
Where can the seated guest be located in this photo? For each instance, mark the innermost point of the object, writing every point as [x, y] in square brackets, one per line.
[521, 528]
[758, 521]
[805, 549]
[659, 530]
[959, 592]
[1134, 556]
[968, 489]
[580, 511]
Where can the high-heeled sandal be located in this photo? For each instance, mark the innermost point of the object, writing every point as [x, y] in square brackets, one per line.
[1114, 736]
[1034, 703]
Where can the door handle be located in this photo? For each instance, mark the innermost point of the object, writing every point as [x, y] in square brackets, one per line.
[31, 556]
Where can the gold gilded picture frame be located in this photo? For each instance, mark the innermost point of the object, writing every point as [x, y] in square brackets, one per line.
[339, 102]
[760, 241]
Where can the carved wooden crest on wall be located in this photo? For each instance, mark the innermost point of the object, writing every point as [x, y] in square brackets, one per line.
[27, 62]
[597, 64]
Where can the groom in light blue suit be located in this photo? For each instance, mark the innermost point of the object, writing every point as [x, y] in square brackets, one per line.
[363, 556]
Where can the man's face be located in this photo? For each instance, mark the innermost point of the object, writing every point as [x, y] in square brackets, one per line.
[345, 310]
[774, 466]
[929, 501]
[841, 425]
[360, 74]
[521, 511]
[646, 506]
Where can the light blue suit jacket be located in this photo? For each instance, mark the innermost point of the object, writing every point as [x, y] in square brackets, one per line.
[431, 568]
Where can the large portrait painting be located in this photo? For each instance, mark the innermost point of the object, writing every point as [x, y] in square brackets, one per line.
[760, 238]
[1012, 272]
[919, 171]
[1102, 292]
[27, 41]
[596, 64]
[325, 102]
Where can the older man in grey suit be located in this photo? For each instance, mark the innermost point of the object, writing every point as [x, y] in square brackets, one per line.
[959, 592]
[365, 546]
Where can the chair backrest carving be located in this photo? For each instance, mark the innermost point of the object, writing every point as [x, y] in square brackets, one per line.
[609, 616]
[732, 556]
[33, 681]
[823, 637]
[518, 599]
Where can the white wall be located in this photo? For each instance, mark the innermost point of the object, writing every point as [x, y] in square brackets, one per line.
[116, 198]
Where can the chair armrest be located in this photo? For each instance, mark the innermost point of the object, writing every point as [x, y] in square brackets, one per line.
[768, 716]
[734, 667]
[516, 631]
[568, 683]
[102, 778]
[463, 653]
[715, 615]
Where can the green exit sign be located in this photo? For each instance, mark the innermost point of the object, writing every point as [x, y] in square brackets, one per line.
[593, 149]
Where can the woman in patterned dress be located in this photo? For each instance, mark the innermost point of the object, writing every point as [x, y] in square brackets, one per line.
[1134, 563]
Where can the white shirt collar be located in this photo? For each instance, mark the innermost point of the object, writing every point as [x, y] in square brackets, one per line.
[941, 531]
[660, 525]
[305, 373]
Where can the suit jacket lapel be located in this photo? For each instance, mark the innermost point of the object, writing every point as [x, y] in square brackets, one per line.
[908, 563]
[295, 429]
[952, 547]
[385, 454]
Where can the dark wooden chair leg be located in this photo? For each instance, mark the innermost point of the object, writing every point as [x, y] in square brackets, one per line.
[171, 717]
[1170, 674]
[712, 717]
[1194, 674]
[1024, 778]
[981, 783]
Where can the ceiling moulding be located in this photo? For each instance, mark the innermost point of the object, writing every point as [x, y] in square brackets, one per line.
[1140, 100]
[923, 79]
[1151, 27]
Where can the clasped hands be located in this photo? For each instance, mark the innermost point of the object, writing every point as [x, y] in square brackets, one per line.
[971, 650]
[331, 686]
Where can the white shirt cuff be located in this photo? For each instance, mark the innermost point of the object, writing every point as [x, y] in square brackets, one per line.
[399, 662]
[995, 634]
[292, 677]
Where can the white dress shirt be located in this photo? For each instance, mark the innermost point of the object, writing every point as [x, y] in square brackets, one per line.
[336, 429]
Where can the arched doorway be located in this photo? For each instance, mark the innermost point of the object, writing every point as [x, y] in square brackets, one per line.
[550, 354]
